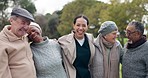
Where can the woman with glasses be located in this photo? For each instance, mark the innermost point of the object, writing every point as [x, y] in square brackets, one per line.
[108, 52]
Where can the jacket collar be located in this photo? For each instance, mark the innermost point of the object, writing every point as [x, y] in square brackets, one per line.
[10, 35]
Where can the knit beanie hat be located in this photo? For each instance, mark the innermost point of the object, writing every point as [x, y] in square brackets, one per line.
[36, 25]
[107, 27]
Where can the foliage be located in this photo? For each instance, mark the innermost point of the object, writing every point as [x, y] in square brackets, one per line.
[70, 11]
[60, 22]
[52, 24]
[26, 4]
[3, 15]
[98, 12]
[43, 22]
[6, 4]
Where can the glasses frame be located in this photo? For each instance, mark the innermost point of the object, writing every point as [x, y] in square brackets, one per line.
[129, 32]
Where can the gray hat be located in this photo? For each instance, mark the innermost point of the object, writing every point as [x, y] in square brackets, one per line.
[107, 27]
[22, 12]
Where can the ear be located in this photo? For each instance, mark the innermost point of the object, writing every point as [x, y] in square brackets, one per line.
[10, 20]
[104, 36]
[73, 25]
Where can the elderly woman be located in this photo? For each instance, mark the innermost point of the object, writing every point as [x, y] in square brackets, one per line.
[46, 54]
[107, 57]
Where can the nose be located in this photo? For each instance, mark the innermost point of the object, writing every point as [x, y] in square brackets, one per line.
[126, 34]
[80, 27]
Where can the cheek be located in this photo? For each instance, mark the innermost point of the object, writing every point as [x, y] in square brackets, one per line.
[110, 37]
[86, 28]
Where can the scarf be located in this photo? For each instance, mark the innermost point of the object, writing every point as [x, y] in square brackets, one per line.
[107, 56]
[138, 43]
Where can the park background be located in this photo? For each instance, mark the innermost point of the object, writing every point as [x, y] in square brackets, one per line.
[60, 21]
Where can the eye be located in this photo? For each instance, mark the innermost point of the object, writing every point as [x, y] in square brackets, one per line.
[78, 25]
[84, 25]
[33, 30]
[23, 22]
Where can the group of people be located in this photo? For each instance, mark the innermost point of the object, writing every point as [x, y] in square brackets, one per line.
[25, 53]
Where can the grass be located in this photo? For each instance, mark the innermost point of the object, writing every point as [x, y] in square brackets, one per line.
[120, 71]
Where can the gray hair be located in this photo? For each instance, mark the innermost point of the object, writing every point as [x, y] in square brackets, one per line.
[138, 25]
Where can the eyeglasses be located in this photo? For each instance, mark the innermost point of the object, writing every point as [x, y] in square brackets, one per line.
[129, 32]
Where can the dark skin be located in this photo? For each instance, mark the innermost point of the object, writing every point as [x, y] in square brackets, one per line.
[35, 34]
[132, 34]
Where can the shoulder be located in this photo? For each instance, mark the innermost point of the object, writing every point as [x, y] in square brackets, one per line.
[145, 45]
[54, 41]
[90, 36]
[66, 38]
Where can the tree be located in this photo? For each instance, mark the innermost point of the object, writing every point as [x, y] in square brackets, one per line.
[71, 10]
[96, 14]
[43, 22]
[6, 4]
[52, 24]
[26, 4]
[3, 15]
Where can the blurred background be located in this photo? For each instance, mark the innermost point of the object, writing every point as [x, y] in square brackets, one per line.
[59, 22]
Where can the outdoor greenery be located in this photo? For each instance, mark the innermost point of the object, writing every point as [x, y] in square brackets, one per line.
[60, 22]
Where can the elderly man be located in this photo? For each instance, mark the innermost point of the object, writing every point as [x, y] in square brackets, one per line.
[135, 59]
[15, 53]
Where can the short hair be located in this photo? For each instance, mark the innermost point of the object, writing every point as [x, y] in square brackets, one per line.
[138, 25]
[14, 17]
[81, 16]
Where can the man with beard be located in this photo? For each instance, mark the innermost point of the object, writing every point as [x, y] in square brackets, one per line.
[134, 61]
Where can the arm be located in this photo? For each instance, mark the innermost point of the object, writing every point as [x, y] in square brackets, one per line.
[4, 66]
[146, 64]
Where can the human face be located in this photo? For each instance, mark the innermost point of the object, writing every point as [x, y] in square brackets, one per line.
[111, 37]
[80, 27]
[19, 25]
[131, 33]
[34, 34]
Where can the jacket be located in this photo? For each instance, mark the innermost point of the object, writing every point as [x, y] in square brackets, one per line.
[98, 70]
[68, 45]
[15, 56]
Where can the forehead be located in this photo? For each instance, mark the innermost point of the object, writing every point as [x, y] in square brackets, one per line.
[82, 20]
[31, 27]
[130, 27]
[114, 32]
[23, 19]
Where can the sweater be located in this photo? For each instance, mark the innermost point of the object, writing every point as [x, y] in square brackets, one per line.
[81, 63]
[47, 58]
[135, 62]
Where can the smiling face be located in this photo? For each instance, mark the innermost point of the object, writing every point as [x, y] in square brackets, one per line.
[34, 34]
[19, 25]
[111, 37]
[80, 27]
[132, 34]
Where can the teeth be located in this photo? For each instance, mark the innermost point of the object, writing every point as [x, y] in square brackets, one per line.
[80, 31]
